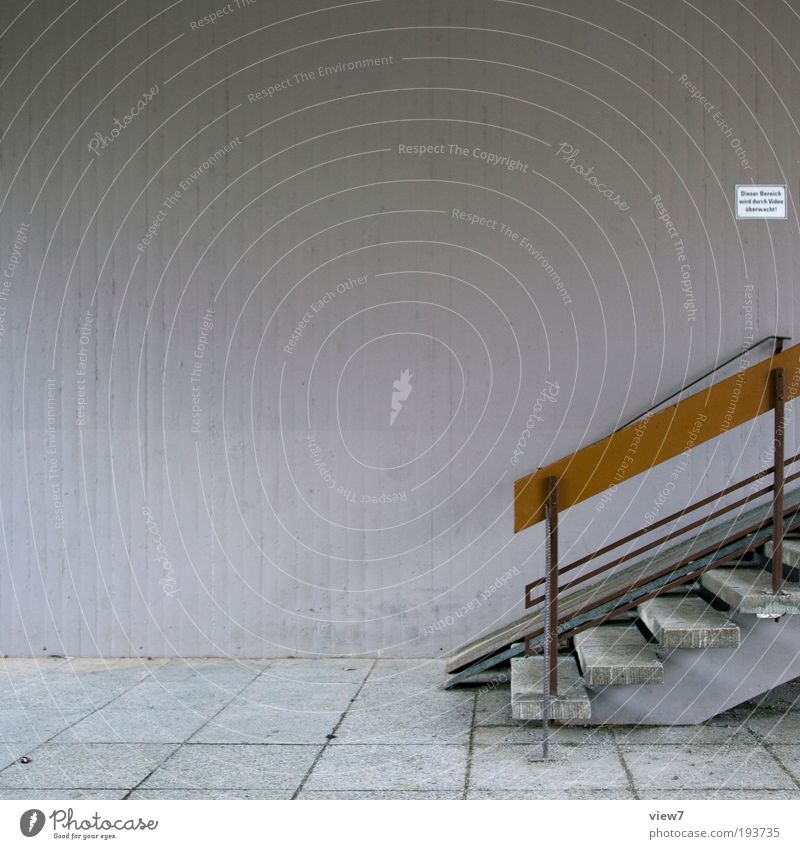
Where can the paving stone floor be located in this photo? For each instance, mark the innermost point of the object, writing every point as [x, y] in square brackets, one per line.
[352, 729]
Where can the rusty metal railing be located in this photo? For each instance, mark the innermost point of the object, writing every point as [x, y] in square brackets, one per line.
[549, 635]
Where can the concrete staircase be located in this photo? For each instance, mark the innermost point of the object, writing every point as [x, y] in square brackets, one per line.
[728, 541]
[699, 643]
[692, 641]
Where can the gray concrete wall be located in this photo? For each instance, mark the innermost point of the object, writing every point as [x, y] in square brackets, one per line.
[198, 455]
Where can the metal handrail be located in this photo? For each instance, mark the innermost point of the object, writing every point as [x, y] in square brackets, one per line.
[660, 523]
[532, 602]
[691, 576]
[779, 339]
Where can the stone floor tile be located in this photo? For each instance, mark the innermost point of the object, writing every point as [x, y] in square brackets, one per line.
[717, 793]
[175, 695]
[690, 735]
[570, 769]
[11, 752]
[115, 725]
[86, 766]
[423, 673]
[247, 723]
[63, 793]
[298, 695]
[494, 707]
[530, 734]
[36, 723]
[415, 768]
[217, 793]
[789, 756]
[318, 671]
[683, 766]
[421, 720]
[775, 727]
[568, 793]
[389, 795]
[234, 767]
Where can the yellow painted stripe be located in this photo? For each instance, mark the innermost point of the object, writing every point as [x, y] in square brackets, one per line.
[657, 438]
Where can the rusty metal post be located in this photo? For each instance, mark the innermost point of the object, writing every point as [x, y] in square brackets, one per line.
[550, 671]
[552, 583]
[777, 482]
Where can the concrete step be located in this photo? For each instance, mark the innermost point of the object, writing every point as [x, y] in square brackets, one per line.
[572, 701]
[749, 590]
[682, 621]
[617, 654]
[791, 551]
[791, 557]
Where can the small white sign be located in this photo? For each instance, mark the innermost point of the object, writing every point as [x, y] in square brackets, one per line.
[761, 202]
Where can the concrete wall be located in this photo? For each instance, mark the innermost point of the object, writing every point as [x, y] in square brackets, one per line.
[198, 455]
